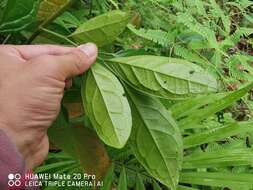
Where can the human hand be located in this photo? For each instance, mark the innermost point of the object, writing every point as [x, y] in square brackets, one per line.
[32, 82]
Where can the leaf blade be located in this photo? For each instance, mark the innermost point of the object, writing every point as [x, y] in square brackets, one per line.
[152, 127]
[164, 77]
[217, 179]
[217, 133]
[107, 107]
[102, 29]
[13, 19]
[122, 185]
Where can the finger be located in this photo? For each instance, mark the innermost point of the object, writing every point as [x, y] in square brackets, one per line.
[71, 64]
[77, 61]
[26, 52]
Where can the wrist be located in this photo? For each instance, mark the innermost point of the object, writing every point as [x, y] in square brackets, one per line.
[15, 139]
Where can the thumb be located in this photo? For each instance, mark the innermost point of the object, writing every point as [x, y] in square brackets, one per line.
[71, 64]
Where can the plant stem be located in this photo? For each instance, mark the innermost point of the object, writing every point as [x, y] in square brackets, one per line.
[59, 36]
[6, 39]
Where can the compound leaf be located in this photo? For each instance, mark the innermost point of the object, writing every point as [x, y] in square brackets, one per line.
[156, 139]
[164, 77]
[103, 29]
[106, 106]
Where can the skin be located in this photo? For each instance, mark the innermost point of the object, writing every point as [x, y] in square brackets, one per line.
[32, 82]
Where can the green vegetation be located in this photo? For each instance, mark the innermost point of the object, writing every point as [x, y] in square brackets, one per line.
[167, 105]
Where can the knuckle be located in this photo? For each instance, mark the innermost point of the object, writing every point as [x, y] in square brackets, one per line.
[79, 59]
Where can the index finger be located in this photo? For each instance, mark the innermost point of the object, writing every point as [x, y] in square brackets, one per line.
[26, 52]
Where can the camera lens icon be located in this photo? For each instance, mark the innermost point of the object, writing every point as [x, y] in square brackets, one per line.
[14, 180]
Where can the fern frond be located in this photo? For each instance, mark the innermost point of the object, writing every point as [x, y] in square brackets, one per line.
[157, 36]
[219, 13]
[189, 55]
[191, 23]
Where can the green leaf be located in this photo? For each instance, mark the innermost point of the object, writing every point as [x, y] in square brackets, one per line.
[219, 103]
[103, 29]
[18, 14]
[163, 76]
[219, 158]
[217, 179]
[217, 133]
[156, 186]
[50, 8]
[156, 139]
[139, 183]
[184, 108]
[57, 165]
[106, 106]
[2, 6]
[181, 187]
[107, 181]
[157, 36]
[122, 185]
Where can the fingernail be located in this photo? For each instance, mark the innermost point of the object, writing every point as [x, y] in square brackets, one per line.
[89, 49]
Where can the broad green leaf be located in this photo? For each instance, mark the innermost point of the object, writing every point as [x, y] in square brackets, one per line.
[217, 133]
[217, 179]
[219, 103]
[139, 183]
[107, 181]
[82, 144]
[103, 29]
[163, 76]
[106, 106]
[122, 185]
[49, 8]
[156, 139]
[219, 158]
[18, 14]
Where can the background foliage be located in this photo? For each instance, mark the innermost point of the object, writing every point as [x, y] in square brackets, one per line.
[168, 105]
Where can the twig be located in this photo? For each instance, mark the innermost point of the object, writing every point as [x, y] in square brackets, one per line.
[6, 39]
[59, 36]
